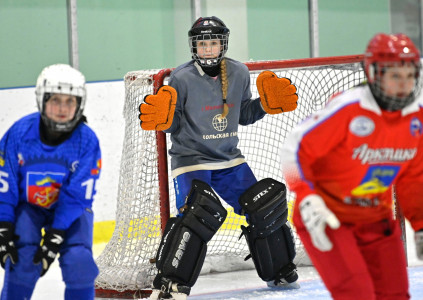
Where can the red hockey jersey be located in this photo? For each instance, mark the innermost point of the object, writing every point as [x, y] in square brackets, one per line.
[351, 153]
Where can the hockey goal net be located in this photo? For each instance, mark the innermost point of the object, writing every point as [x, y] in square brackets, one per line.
[145, 194]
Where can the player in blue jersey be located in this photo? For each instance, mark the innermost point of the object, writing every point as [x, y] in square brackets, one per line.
[49, 164]
[205, 102]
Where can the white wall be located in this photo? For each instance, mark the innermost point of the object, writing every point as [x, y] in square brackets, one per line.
[104, 113]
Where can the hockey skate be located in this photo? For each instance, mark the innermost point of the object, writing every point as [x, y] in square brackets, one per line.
[161, 295]
[287, 283]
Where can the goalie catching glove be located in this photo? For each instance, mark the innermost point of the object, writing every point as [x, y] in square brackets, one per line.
[316, 216]
[277, 95]
[157, 111]
[52, 240]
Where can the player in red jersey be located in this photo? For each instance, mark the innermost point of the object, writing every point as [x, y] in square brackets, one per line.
[344, 162]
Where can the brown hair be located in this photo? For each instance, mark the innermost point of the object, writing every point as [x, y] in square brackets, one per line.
[224, 79]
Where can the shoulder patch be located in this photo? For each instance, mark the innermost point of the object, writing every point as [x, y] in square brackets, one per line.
[416, 127]
[361, 126]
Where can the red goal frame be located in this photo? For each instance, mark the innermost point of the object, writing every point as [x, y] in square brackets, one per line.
[159, 79]
[163, 172]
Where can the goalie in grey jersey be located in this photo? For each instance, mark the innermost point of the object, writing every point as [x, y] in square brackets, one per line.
[205, 101]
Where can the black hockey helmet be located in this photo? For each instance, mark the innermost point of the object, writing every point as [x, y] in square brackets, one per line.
[208, 28]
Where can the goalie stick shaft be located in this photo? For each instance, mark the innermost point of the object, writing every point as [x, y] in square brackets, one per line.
[401, 219]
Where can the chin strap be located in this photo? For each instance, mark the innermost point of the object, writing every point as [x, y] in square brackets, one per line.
[50, 137]
[212, 71]
[53, 138]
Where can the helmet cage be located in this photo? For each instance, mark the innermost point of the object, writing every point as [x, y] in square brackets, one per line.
[390, 103]
[209, 62]
[60, 79]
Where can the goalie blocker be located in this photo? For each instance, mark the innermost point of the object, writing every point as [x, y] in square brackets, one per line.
[268, 235]
[183, 247]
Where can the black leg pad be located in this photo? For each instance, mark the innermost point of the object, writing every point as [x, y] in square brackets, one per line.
[269, 235]
[183, 247]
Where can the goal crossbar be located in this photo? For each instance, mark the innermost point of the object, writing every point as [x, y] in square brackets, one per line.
[146, 201]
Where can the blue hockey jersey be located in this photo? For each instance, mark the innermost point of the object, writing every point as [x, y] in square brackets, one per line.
[59, 179]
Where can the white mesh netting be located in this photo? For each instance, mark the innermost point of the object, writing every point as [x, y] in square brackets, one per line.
[125, 262]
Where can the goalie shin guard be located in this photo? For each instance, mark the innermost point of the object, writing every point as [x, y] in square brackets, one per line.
[269, 236]
[183, 247]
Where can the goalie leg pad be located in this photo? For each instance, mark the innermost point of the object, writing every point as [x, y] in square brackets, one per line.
[205, 213]
[183, 246]
[269, 236]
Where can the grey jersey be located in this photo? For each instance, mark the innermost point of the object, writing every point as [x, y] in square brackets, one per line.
[200, 139]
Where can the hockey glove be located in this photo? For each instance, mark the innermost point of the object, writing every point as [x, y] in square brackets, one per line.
[316, 216]
[47, 252]
[157, 111]
[7, 246]
[418, 238]
[277, 95]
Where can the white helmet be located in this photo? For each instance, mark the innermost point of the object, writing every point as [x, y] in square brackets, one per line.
[60, 79]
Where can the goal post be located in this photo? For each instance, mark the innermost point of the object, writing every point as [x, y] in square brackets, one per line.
[158, 81]
[146, 196]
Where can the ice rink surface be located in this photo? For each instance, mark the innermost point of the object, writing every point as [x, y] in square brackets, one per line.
[242, 284]
[246, 285]
[235, 286]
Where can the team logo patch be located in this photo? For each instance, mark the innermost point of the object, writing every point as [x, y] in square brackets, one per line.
[96, 170]
[74, 166]
[377, 180]
[362, 126]
[43, 188]
[219, 123]
[416, 127]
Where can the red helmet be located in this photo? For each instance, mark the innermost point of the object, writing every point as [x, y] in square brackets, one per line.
[386, 50]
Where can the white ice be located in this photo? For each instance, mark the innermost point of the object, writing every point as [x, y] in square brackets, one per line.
[241, 284]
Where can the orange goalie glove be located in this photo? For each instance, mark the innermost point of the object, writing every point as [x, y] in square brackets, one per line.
[277, 95]
[156, 113]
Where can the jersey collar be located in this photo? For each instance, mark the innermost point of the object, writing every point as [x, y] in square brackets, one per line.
[34, 129]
